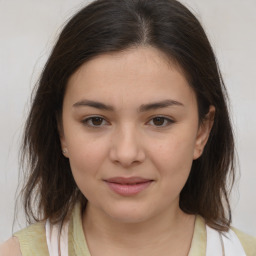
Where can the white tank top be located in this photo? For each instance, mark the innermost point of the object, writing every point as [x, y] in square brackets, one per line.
[57, 238]
[218, 244]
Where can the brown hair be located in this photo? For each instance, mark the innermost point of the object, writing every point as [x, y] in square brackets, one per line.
[111, 26]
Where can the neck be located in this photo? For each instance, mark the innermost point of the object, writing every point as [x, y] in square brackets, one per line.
[169, 229]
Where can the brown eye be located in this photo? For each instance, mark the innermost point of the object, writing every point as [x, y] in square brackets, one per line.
[160, 121]
[94, 121]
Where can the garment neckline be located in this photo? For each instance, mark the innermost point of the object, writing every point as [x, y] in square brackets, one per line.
[197, 248]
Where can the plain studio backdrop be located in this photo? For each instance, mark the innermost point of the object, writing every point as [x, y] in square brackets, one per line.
[28, 30]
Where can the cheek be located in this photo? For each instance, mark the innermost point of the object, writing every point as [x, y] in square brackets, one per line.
[86, 155]
[173, 158]
[174, 150]
[86, 161]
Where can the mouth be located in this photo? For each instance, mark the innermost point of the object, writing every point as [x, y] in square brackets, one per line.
[128, 186]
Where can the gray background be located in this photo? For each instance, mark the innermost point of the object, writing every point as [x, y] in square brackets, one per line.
[28, 29]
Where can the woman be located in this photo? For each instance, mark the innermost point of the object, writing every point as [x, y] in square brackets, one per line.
[129, 143]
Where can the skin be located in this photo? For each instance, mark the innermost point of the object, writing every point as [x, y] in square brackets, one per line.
[10, 247]
[128, 142]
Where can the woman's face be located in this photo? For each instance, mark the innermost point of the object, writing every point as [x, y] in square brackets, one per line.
[130, 129]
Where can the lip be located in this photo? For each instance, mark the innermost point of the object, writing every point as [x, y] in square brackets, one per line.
[128, 186]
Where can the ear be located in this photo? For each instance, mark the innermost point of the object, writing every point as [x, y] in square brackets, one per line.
[64, 147]
[204, 132]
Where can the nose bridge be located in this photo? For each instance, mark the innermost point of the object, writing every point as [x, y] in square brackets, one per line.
[126, 147]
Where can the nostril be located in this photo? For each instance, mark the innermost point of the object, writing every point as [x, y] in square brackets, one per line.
[126, 150]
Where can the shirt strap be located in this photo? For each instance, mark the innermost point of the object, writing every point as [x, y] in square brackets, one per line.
[225, 243]
[57, 238]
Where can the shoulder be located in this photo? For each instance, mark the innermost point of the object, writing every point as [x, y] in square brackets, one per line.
[36, 229]
[248, 242]
[10, 248]
[32, 240]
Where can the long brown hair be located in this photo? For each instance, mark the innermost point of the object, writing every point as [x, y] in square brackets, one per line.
[111, 26]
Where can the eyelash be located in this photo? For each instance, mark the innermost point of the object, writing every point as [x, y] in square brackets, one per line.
[85, 121]
[167, 121]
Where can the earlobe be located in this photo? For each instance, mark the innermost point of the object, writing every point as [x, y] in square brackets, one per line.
[63, 145]
[65, 152]
[204, 132]
[62, 139]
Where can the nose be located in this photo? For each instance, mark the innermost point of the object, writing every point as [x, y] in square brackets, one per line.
[126, 148]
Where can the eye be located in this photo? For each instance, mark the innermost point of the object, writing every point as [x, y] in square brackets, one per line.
[95, 121]
[160, 121]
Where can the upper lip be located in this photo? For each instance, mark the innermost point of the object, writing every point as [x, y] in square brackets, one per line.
[130, 180]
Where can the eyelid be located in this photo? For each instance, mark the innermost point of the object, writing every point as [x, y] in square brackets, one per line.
[168, 119]
[85, 121]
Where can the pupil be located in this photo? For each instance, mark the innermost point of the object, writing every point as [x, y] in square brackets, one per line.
[97, 120]
[158, 121]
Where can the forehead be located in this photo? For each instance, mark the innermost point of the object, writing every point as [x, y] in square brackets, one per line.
[143, 71]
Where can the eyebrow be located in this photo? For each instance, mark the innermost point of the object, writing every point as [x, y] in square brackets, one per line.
[94, 104]
[160, 104]
[142, 108]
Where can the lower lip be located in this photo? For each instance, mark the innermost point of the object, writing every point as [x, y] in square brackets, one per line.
[128, 190]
